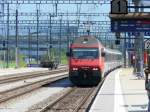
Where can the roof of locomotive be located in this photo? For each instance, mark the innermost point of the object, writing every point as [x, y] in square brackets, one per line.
[86, 41]
[91, 41]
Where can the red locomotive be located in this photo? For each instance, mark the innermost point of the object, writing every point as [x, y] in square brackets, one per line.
[89, 60]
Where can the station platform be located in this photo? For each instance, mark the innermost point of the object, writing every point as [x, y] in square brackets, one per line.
[122, 91]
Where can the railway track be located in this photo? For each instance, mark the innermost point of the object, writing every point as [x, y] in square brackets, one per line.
[74, 100]
[30, 86]
[22, 76]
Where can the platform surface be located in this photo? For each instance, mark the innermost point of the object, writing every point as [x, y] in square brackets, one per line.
[122, 91]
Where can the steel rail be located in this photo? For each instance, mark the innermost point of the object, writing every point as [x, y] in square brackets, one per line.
[77, 108]
[91, 94]
[22, 76]
[57, 100]
[14, 92]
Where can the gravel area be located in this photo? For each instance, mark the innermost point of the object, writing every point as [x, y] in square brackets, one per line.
[7, 86]
[37, 107]
[28, 101]
[71, 101]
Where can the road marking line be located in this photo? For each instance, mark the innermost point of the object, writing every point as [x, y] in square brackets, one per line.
[118, 97]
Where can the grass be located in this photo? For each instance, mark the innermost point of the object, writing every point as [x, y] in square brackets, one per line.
[64, 60]
[10, 64]
[22, 63]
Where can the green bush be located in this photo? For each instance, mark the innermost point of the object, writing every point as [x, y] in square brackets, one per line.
[22, 61]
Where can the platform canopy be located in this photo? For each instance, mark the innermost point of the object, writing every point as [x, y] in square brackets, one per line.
[145, 2]
[139, 15]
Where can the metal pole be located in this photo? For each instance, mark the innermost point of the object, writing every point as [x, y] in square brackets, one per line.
[68, 40]
[136, 3]
[129, 52]
[50, 37]
[105, 39]
[7, 35]
[37, 36]
[47, 44]
[4, 42]
[77, 35]
[125, 45]
[88, 31]
[142, 51]
[139, 47]
[60, 41]
[17, 60]
[29, 45]
[56, 8]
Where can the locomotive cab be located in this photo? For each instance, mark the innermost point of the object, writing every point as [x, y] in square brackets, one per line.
[85, 61]
[89, 61]
[85, 68]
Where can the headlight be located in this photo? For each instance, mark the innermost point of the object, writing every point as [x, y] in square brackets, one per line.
[74, 68]
[95, 68]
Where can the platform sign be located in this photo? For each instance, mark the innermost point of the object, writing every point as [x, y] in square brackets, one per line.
[130, 25]
[147, 44]
[119, 7]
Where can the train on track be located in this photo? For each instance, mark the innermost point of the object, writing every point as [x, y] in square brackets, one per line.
[89, 61]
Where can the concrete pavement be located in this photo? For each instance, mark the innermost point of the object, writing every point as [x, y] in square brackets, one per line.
[121, 92]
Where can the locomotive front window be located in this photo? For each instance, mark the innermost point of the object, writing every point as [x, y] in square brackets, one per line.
[85, 53]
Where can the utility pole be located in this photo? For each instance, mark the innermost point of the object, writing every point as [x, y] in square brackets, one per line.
[37, 36]
[50, 36]
[68, 33]
[7, 35]
[47, 41]
[60, 40]
[77, 35]
[2, 26]
[105, 40]
[29, 45]
[125, 56]
[17, 57]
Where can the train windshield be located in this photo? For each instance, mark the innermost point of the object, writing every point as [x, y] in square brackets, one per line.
[85, 53]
